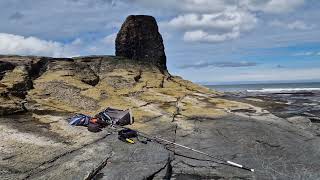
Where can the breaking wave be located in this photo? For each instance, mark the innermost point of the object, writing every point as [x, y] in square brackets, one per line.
[275, 90]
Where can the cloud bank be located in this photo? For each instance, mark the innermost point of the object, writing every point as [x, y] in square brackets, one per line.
[295, 25]
[14, 44]
[218, 64]
[215, 27]
[214, 21]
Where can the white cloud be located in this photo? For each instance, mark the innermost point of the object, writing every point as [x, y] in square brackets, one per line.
[220, 64]
[20, 45]
[272, 6]
[279, 6]
[201, 36]
[216, 27]
[198, 6]
[15, 44]
[295, 25]
[212, 6]
[307, 53]
[225, 20]
[203, 5]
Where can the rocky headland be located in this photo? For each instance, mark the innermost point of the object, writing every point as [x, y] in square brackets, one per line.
[38, 94]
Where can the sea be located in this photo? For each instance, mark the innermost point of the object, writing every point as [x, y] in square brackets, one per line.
[282, 99]
[268, 87]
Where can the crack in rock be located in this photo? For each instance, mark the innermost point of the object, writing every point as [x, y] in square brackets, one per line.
[162, 82]
[178, 109]
[95, 171]
[138, 77]
[221, 134]
[145, 86]
[268, 144]
[168, 172]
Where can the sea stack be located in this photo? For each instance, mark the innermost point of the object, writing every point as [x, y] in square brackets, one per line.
[139, 39]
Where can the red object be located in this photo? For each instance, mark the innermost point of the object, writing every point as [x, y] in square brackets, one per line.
[94, 120]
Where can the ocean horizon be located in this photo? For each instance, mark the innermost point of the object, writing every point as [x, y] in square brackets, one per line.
[268, 87]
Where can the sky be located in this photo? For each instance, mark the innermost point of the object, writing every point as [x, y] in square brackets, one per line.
[206, 41]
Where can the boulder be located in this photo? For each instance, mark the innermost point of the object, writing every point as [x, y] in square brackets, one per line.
[139, 39]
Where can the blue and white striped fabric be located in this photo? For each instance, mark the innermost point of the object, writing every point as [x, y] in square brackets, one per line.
[79, 120]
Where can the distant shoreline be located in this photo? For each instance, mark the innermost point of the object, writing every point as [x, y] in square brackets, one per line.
[255, 82]
[268, 87]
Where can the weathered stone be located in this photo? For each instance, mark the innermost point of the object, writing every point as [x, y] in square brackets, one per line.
[86, 74]
[11, 106]
[5, 66]
[139, 39]
[300, 121]
[18, 81]
[39, 144]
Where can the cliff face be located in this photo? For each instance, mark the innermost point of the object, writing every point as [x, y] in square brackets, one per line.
[38, 94]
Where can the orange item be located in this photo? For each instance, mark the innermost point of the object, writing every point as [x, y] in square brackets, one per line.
[94, 120]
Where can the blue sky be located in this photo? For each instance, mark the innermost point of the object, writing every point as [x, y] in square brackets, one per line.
[207, 41]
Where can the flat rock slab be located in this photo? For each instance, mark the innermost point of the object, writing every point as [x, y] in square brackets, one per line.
[29, 150]
[274, 150]
[109, 158]
[137, 161]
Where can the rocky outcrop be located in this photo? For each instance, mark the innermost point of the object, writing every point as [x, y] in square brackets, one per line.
[38, 143]
[17, 81]
[4, 66]
[139, 39]
[18, 73]
[38, 94]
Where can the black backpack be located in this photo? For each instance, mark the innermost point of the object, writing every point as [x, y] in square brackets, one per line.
[116, 117]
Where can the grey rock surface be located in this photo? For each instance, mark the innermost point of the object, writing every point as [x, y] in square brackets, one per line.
[300, 121]
[274, 150]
